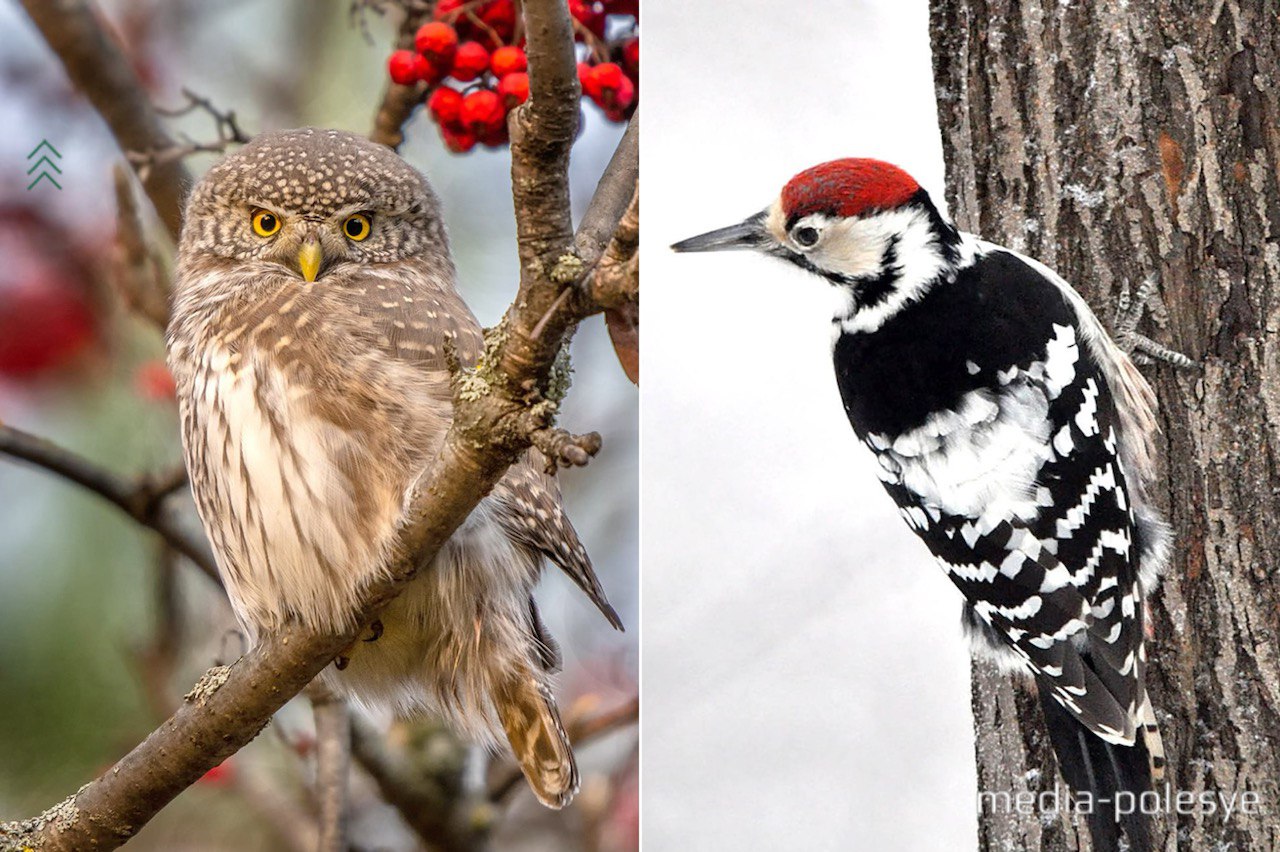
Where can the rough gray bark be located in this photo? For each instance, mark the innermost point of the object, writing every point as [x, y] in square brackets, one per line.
[1120, 142]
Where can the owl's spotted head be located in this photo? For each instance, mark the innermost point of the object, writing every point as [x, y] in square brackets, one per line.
[311, 200]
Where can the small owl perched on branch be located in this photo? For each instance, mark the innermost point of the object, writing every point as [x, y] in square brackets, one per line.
[313, 304]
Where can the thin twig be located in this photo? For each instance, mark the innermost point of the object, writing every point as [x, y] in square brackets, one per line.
[358, 15]
[333, 765]
[613, 195]
[615, 286]
[428, 791]
[75, 31]
[398, 102]
[156, 662]
[142, 500]
[155, 666]
[292, 824]
[143, 287]
[546, 318]
[616, 281]
[225, 125]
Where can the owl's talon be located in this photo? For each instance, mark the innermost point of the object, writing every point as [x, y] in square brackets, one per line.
[344, 659]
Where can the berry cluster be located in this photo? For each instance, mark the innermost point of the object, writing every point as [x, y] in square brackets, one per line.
[471, 58]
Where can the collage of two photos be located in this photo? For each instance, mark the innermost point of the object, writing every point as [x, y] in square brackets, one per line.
[336, 515]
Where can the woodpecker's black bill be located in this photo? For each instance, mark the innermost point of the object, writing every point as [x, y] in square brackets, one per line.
[744, 235]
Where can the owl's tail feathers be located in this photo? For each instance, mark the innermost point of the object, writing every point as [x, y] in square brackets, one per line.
[1114, 776]
[541, 746]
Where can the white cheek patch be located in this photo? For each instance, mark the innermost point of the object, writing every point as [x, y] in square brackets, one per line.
[857, 249]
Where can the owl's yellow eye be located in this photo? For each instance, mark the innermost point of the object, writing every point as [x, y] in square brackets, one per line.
[357, 226]
[265, 223]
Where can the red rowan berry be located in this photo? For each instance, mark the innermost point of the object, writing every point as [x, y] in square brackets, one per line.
[445, 105]
[429, 71]
[459, 140]
[631, 57]
[500, 16]
[403, 66]
[482, 110]
[220, 775]
[586, 79]
[625, 94]
[514, 89]
[153, 381]
[508, 60]
[607, 76]
[617, 101]
[447, 11]
[496, 136]
[445, 7]
[590, 14]
[437, 41]
[470, 61]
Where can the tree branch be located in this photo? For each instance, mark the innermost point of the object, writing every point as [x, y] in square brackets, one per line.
[427, 796]
[333, 764]
[143, 500]
[97, 67]
[495, 408]
[548, 248]
[616, 282]
[142, 285]
[225, 125]
[427, 792]
[398, 102]
[617, 187]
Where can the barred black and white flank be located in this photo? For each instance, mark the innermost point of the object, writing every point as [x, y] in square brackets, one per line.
[1016, 439]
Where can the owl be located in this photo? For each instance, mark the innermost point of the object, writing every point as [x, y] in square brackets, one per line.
[313, 303]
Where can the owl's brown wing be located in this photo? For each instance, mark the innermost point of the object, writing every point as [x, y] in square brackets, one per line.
[536, 519]
[413, 311]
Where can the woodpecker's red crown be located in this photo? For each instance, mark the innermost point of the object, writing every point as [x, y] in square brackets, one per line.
[847, 187]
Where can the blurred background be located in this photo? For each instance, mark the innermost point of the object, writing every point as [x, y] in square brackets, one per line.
[805, 678]
[85, 672]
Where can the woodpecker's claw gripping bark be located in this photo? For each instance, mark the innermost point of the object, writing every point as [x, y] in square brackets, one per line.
[1142, 349]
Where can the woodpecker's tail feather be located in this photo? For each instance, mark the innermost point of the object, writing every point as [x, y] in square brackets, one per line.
[538, 740]
[1152, 740]
[1090, 764]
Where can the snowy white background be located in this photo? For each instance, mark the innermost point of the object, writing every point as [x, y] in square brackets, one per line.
[805, 682]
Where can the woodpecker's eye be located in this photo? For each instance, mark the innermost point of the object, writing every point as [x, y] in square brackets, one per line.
[357, 226]
[265, 223]
[805, 236]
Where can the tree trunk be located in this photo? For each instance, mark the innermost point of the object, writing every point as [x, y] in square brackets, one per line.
[1122, 142]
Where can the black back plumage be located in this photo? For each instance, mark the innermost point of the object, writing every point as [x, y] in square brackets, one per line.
[995, 349]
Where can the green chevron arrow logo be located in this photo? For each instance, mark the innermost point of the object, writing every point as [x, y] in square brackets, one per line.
[44, 168]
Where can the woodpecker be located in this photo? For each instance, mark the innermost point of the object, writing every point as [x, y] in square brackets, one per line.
[1015, 437]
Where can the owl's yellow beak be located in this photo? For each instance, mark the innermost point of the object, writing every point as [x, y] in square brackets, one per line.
[309, 258]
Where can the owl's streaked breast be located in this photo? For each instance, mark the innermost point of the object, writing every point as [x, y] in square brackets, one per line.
[296, 536]
[301, 448]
